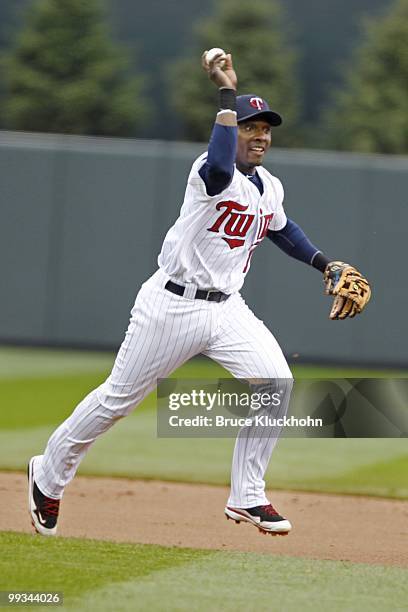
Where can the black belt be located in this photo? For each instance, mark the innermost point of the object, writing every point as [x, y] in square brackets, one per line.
[210, 296]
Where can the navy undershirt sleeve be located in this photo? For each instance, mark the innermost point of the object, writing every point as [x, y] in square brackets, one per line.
[218, 169]
[294, 242]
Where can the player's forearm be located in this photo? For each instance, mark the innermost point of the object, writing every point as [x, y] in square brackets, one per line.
[294, 242]
[218, 169]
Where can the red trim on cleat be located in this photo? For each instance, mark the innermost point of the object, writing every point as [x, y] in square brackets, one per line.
[265, 518]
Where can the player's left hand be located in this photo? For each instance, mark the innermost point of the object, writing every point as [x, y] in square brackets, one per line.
[224, 76]
[351, 290]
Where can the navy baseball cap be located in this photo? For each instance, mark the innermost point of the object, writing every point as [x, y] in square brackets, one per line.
[251, 106]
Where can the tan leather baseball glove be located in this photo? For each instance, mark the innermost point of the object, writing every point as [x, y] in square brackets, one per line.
[350, 289]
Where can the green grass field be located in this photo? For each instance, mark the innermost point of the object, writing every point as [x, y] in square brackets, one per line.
[39, 388]
[103, 576]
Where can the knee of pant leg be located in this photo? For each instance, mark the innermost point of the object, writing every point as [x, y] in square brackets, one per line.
[272, 396]
[274, 366]
[275, 377]
[287, 372]
[282, 371]
[120, 399]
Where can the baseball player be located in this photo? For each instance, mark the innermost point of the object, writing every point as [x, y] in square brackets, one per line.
[192, 305]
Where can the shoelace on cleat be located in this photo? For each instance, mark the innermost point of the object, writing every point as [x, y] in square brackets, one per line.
[270, 510]
[51, 507]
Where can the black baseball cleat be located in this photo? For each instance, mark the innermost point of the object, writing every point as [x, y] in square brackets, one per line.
[43, 510]
[266, 518]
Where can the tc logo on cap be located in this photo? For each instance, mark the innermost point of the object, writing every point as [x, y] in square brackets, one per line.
[257, 103]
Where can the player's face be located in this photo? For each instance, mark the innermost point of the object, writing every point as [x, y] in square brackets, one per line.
[254, 139]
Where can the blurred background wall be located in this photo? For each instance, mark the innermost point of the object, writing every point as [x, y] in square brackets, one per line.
[83, 220]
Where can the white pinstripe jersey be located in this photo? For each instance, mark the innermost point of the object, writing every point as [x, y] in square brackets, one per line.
[212, 241]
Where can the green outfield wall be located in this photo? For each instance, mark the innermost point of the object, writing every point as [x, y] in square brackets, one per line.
[83, 220]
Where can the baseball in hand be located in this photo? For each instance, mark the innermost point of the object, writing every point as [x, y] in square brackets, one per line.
[209, 56]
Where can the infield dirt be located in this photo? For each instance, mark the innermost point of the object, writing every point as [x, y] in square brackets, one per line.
[347, 528]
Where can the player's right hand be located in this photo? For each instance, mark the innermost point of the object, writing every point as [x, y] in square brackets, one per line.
[222, 77]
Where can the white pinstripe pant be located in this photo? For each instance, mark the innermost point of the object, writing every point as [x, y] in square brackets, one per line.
[166, 330]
